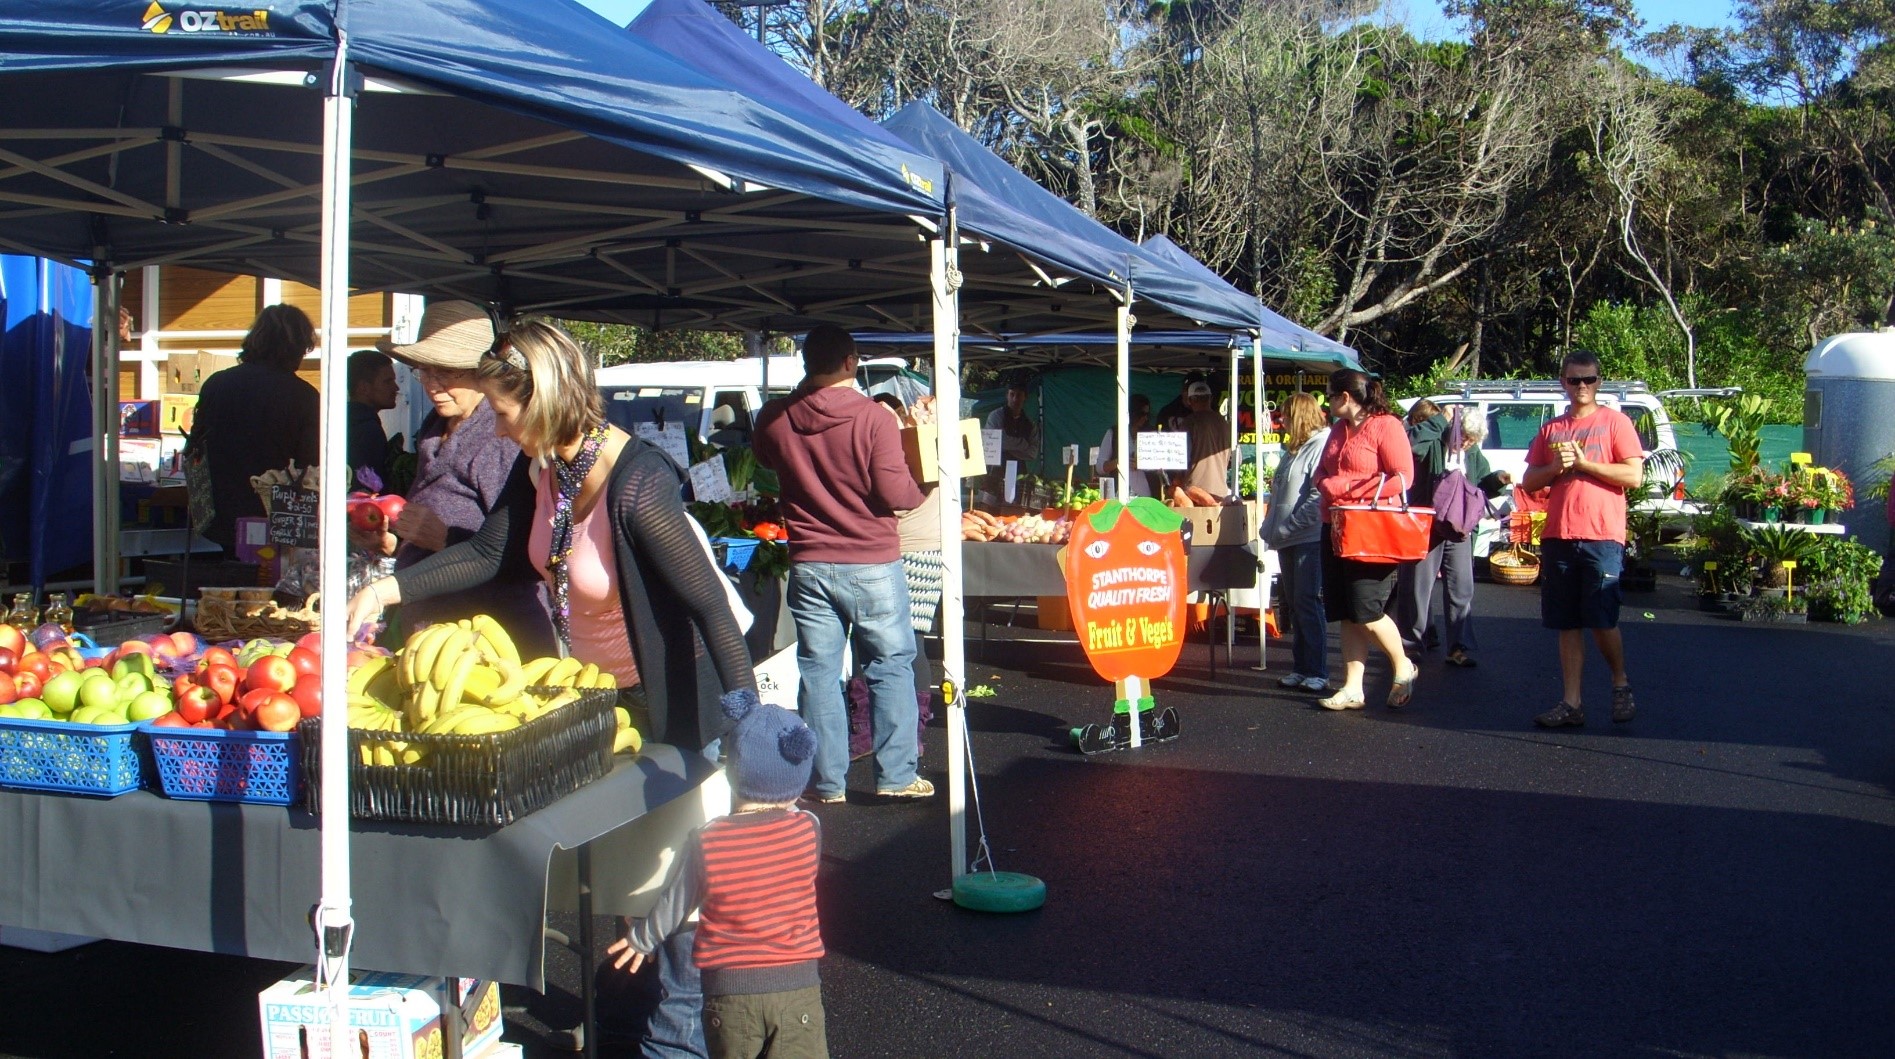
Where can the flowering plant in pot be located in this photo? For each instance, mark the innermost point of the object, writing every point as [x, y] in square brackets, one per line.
[1820, 491]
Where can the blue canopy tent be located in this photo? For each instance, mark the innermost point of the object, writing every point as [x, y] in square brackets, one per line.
[45, 415]
[1296, 339]
[520, 152]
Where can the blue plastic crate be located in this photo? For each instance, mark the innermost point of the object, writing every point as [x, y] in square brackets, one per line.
[72, 758]
[213, 765]
[736, 551]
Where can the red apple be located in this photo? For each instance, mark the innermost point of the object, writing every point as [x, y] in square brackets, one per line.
[134, 647]
[37, 664]
[27, 684]
[270, 673]
[218, 656]
[391, 506]
[366, 517]
[312, 641]
[174, 719]
[185, 642]
[308, 696]
[196, 702]
[306, 661]
[277, 713]
[12, 639]
[8, 692]
[8, 658]
[54, 668]
[221, 679]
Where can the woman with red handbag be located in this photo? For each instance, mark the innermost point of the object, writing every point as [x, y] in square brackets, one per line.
[1366, 461]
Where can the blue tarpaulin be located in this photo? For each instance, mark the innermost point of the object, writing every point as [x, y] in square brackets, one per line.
[45, 416]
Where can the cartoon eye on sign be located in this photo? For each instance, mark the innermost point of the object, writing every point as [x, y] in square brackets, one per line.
[1125, 585]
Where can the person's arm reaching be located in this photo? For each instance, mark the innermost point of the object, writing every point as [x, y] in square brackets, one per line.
[681, 895]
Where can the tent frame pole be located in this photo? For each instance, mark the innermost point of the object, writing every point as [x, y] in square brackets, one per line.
[1125, 320]
[105, 400]
[333, 920]
[1261, 426]
[944, 283]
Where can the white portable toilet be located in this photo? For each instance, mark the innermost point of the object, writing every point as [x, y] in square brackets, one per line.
[1849, 417]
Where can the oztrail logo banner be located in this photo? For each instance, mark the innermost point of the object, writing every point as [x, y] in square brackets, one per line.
[159, 19]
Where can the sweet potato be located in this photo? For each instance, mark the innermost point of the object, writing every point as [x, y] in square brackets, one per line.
[1200, 498]
[1179, 498]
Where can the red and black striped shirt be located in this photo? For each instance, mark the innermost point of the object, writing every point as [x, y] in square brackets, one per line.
[759, 908]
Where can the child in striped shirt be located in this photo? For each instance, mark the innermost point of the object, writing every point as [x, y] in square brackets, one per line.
[752, 877]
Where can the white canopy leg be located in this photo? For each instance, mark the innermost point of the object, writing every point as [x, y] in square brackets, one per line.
[1125, 321]
[944, 272]
[334, 922]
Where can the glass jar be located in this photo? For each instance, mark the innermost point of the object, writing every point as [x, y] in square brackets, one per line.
[23, 615]
[58, 611]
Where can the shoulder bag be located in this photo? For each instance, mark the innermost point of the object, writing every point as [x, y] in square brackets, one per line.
[1383, 530]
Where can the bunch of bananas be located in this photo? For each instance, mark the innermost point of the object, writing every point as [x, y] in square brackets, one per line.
[465, 678]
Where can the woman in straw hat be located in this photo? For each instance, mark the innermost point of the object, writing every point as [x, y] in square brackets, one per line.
[462, 464]
[600, 515]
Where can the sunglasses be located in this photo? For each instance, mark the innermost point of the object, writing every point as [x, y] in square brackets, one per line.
[1582, 380]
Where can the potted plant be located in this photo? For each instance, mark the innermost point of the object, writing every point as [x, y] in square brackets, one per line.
[1757, 494]
[1839, 581]
[1773, 608]
[1714, 546]
[1773, 546]
[1821, 491]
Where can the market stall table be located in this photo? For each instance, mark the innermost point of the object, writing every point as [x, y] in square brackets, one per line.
[1013, 571]
[241, 879]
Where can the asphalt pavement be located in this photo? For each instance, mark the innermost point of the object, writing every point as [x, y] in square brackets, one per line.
[1712, 879]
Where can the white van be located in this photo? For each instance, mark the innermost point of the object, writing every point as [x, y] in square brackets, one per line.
[1514, 411]
[717, 399]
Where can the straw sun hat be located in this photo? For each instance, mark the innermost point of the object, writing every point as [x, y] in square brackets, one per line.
[454, 335]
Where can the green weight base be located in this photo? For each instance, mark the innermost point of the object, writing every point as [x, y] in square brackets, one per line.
[1001, 891]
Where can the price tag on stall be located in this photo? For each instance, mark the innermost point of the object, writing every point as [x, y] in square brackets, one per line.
[1163, 450]
[990, 447]
[1013, 478]
[1092, 456]
[1070, 455]
[670, 438]
[294, 520]
[709, 482]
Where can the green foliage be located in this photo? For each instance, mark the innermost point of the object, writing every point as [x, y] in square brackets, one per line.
[1642, 342]
[1839, 578]
[1741, 422]
[627, 344]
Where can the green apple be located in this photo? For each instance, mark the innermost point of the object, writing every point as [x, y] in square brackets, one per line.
[148, 705]
[9, 709]
[85, 714]
[98, 694]
[134, 663]
[62, 692]
[131, 685]
[96, 673]
[33, 710]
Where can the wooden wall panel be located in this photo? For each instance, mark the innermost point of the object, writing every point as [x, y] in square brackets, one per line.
[191, 299]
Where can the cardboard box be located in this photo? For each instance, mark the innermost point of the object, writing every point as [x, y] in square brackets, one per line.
[138, 419]
[186, 372]
[921, 445]
[1236, 524]
[175, 413]
[395, 1016]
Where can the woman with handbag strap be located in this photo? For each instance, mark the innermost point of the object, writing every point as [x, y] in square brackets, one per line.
[1366, 454]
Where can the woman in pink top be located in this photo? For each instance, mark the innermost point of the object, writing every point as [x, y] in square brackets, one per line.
[1367, 451]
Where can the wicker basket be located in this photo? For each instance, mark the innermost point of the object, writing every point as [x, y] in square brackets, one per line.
[1515, 566]
[247, 613]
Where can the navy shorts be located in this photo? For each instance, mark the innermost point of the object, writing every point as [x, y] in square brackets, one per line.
[1579, 584]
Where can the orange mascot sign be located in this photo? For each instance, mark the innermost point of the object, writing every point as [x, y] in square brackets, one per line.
[1125, 584]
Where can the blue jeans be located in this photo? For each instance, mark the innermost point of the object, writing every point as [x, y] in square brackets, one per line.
[828, 600]
[1300, 580]
[676, 1027]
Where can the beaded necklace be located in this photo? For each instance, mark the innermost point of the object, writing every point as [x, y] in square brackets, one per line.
[570, 479]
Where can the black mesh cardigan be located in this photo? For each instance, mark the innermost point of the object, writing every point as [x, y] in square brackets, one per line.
[687, 643]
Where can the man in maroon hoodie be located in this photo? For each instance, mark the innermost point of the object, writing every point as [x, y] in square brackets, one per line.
[838, 456]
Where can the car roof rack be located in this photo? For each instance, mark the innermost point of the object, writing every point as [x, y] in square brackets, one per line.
[1539, 387]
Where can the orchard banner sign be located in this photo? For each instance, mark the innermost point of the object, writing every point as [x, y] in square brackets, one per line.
[1125, 585]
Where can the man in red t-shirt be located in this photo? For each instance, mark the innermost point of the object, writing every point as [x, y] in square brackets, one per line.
[1590, 457]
